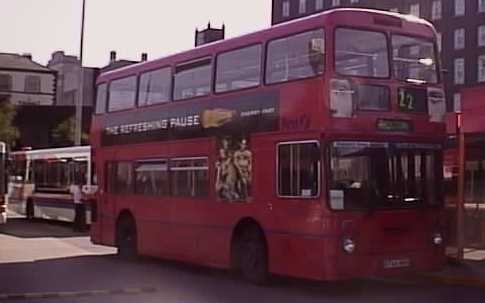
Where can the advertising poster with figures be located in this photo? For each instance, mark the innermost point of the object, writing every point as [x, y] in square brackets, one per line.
[233, 169]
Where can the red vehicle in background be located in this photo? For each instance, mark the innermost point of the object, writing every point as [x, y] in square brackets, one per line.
[312, 149]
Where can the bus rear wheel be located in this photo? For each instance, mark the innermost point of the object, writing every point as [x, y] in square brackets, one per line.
[252, 256]
[29, 209]
[126, 238]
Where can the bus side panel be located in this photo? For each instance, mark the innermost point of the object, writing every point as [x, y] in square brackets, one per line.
[296, 256]
[107, 221]
[292, 226]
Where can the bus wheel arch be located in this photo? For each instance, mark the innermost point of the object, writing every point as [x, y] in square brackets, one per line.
[126, 236]
[249, 251]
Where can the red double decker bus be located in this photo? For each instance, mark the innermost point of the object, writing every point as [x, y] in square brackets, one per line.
[311, 149]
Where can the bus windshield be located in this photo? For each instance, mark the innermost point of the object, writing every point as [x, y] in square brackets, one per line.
[373, 175]
[414, 59]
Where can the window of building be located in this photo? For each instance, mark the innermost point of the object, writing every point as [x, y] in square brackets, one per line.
[457, 102]
[298, 169]
[481, 35]
[335, 2]
[239, 69]
[302, 7]
[354, 1]
[119, 178]
[361, 53]
[295, 57]
[459, 69]
[285, 8]
[5, 82]
[318, 5]
[436, 10]
[481, 6]
[459, 35]
[189, 177]
[151, 177]
[101, 94]
[414, 9]
[439, 41]
[32, 84]
[155, 87]
[481, 68]
[122, 94]
[459, 7]
[193, 79]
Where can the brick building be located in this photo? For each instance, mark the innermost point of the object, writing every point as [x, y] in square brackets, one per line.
[460, 25]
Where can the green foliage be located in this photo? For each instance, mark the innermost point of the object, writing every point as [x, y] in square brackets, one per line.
[65, 132]
[8, 132]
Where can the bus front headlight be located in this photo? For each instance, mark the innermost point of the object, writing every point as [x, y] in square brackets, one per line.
[348, 245]
[437, 239]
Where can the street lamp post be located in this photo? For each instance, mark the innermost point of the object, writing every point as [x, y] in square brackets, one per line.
[460, 203]
[80, 95]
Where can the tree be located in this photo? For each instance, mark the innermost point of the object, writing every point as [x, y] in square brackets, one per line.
[8, 132]
[64, 133]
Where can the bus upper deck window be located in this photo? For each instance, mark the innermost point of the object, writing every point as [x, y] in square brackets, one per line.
[101, 94]
[361, 53]
[414, 59]
[295, 57]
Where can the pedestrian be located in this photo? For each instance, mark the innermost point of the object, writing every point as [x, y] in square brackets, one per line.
[79, 208]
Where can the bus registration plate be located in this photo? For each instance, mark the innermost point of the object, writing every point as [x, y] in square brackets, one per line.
[397, 263]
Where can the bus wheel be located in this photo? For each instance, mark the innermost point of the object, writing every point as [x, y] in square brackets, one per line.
[126, 237]
[252, 256]
[29, 209]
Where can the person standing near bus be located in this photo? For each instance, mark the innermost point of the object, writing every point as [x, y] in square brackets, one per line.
[79, 209]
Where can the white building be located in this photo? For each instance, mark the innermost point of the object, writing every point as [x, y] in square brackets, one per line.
[25, 82]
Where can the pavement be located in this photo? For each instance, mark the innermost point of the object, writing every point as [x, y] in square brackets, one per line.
[469, 272]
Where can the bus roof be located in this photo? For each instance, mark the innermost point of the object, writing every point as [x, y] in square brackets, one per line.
[53, 153]
[254, 37]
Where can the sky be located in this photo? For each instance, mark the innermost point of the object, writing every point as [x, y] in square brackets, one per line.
[130, 27]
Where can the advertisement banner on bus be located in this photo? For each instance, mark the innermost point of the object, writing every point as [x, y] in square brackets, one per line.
[251, 113]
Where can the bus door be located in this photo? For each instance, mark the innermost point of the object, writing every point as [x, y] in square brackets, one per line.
[297, 206]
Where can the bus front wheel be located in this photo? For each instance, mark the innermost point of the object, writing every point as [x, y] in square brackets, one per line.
[126, 237]
[252, 255]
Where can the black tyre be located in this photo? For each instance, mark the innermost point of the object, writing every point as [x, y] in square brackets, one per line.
[29, 209]
[126, 238]
[252, 257]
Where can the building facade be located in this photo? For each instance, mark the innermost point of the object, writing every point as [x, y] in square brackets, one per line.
[460, 25]
[68, 80]
[34, 90]
[25, 82]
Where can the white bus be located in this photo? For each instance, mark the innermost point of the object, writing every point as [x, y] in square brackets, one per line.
[40, 181]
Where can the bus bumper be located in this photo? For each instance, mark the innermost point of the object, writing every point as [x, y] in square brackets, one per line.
[382, 265]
